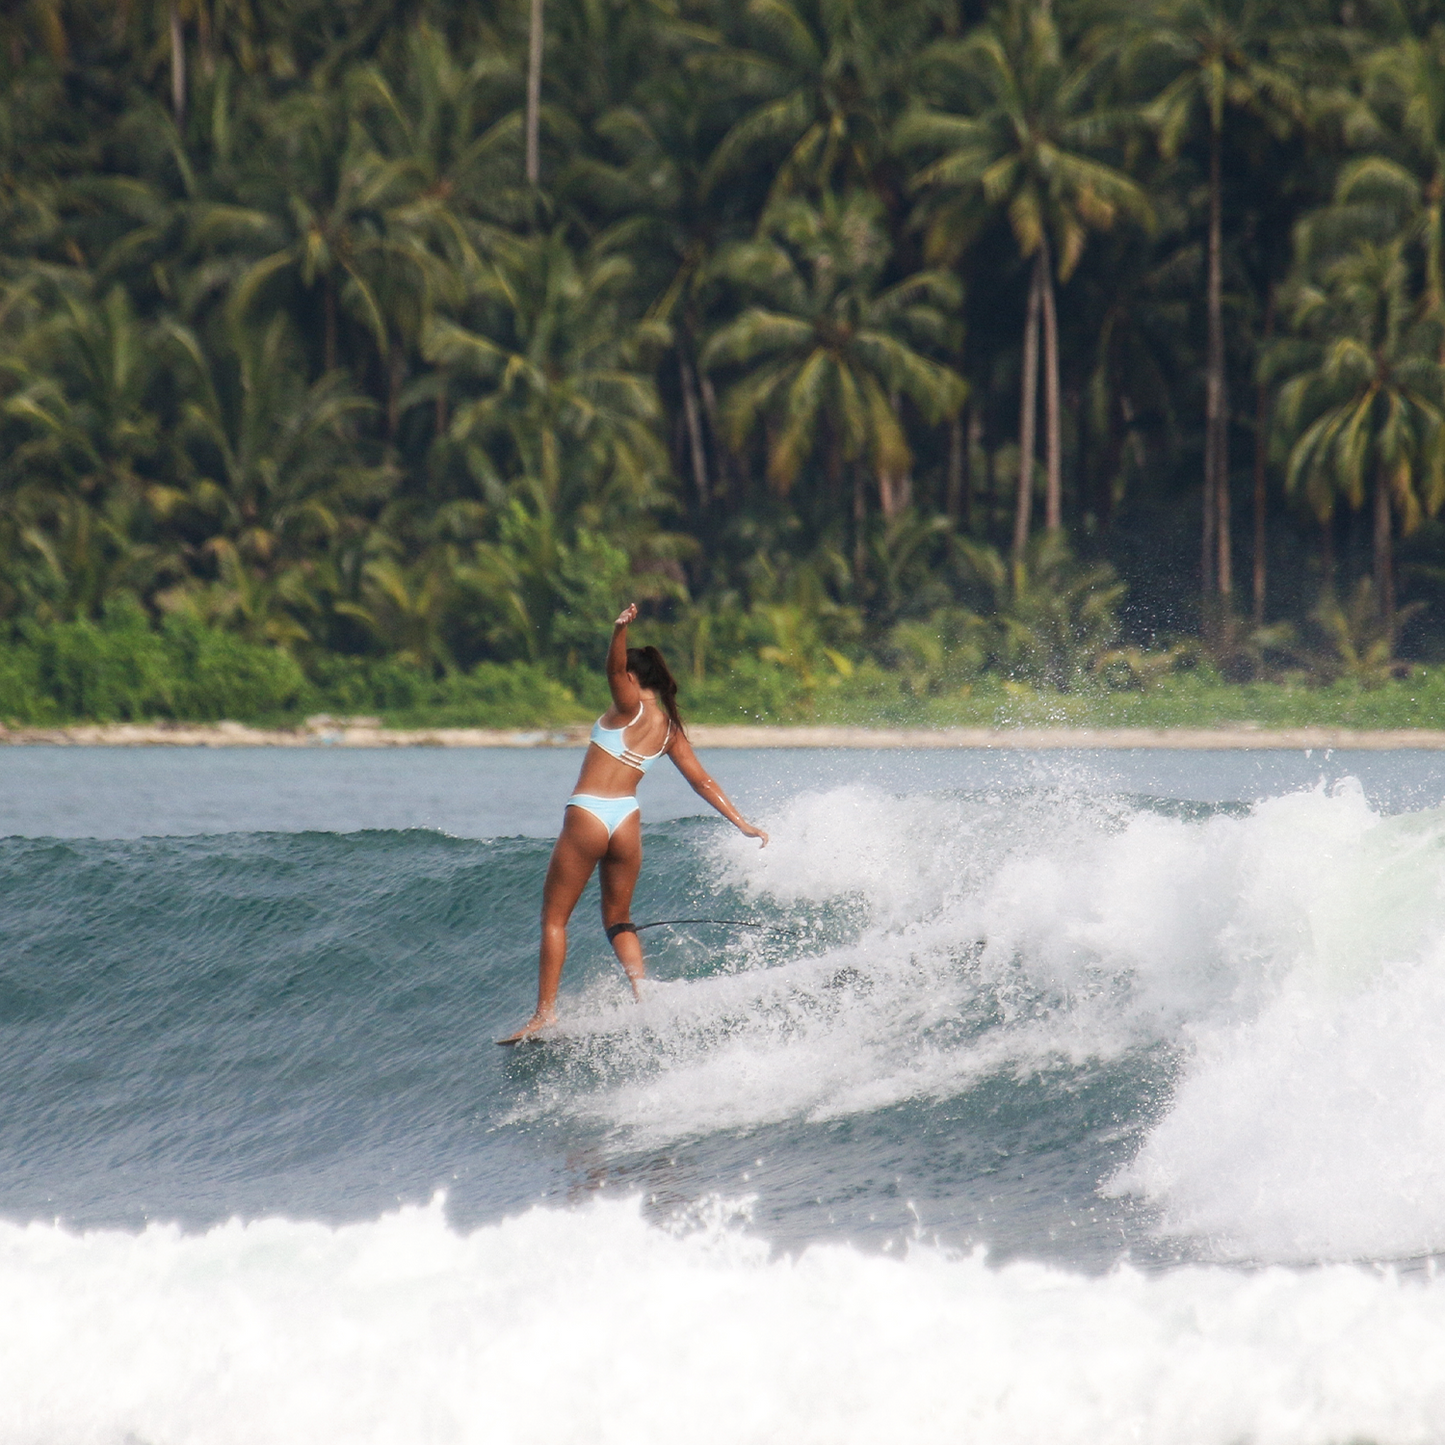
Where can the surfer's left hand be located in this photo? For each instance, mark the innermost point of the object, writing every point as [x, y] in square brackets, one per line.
[750, 832]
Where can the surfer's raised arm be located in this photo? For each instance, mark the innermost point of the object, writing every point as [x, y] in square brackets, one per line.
[621, 683]
[703, 784]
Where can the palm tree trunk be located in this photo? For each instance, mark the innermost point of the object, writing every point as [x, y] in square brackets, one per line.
[895, 489]
[991, 485]
[1054, 495]
[1327, 556]
[860, 518]
[178, 65]
[534, 94]
[1261, 460]
[892, 494]
[329, 302]
[1028, 408]
[720, 455]
[1222, 535]
[953, 499]
[1209, 515]
[395, 372]
[206, 41]
[1434, 270]
[833, 471]
[1217, 578]
[1384, 560]
[972, 443]
[693, 417]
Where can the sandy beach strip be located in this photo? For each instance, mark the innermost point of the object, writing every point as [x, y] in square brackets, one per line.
[367, 733]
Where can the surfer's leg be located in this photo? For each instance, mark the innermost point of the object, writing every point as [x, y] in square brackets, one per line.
[582, 843]
[620, 867]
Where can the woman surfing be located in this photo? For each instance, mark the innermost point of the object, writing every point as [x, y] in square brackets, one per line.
[602, 823]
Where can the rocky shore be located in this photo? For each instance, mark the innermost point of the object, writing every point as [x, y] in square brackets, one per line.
[368, 733]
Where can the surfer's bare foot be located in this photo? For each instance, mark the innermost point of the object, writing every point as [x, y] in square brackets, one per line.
[534, 1025]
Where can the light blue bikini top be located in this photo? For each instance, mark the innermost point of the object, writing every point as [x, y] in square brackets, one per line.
[610, 741]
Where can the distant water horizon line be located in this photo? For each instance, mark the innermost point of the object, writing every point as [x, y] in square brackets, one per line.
[326, 731]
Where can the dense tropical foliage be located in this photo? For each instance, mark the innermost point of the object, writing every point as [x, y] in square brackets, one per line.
[368, 356]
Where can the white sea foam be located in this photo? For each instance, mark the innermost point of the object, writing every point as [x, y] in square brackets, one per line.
[592, 1326]
[1316, 1130]
[1294, 958]
[1312, 1125]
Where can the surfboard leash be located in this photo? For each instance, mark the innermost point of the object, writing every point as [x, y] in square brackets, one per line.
[723, 922]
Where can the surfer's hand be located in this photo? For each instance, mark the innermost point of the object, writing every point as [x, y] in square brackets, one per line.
[626, 615]
[750, 832]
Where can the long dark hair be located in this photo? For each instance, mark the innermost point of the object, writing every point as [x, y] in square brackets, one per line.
[650, 669]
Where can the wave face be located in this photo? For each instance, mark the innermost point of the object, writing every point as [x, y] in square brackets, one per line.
[1149, 1056]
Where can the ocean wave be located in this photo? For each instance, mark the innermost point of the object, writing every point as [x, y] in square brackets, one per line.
[591, 1325]
[1287, 960]
[1214, 1030]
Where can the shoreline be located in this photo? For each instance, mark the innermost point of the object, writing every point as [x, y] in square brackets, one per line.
[367, 733]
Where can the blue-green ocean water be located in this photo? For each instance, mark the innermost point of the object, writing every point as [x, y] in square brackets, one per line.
[1158, 1013]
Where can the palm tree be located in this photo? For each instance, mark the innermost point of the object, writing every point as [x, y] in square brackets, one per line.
[1204, 59]
[87, 453]
[1363, 407]
[536, 588]
[1142, 292]
[446, 130]
[647, 192]
[1053, 619]
[269, 478]
[443, 133]
[825, 352]
[405, 608]
[166, 18]
[84, 452]
[1020, 138]
[558, 404]
[323, 215]
[1397, 187]
[70, 558]
[820, 81]
[600, 53]
[80, 390]
[43, 21]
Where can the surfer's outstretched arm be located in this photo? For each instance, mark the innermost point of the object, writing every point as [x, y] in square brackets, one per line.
[703, 784]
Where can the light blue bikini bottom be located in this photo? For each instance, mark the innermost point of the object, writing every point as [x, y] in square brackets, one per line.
[610, 812]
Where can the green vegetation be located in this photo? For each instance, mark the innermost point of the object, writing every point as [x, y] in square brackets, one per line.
[123, 669]
[926, 361]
